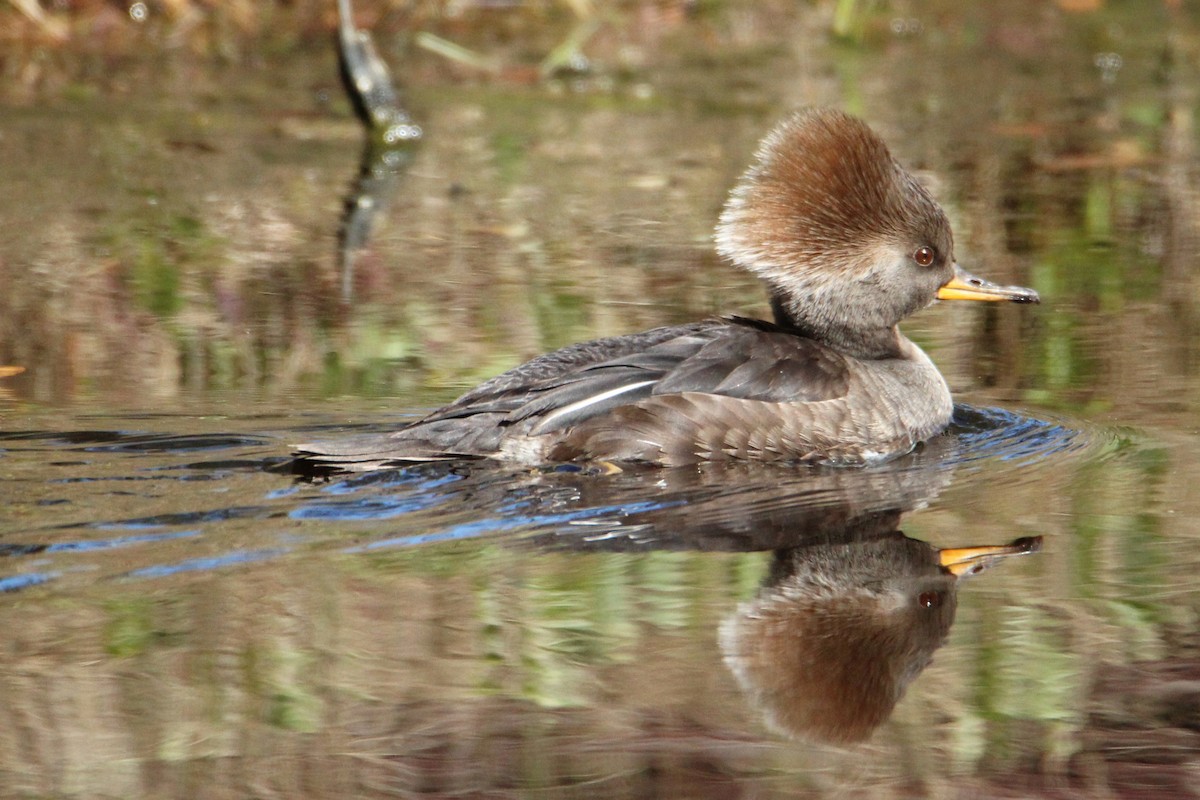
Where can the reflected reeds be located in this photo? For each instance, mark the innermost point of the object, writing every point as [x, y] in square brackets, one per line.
[437, 629]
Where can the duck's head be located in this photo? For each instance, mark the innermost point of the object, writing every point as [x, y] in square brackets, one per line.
[848, 241]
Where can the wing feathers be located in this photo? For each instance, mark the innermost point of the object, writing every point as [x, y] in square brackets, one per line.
[669, 396]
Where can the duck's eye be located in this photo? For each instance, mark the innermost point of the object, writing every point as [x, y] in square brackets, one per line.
[924, 255]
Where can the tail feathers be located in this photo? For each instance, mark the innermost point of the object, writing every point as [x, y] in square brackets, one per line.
[365, 453]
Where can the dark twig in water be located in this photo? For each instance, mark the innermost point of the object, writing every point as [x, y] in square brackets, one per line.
[369, 83]
[388, 150]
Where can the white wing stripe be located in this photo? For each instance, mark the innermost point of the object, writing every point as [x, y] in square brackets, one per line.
[579, 405]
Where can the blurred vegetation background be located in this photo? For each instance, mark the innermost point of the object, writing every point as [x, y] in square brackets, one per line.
[178, 172]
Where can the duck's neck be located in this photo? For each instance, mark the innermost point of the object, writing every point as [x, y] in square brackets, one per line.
[868, 344]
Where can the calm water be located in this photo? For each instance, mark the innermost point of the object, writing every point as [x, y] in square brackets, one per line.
[185, 618]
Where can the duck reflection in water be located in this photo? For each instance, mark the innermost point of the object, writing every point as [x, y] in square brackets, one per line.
[839, 629]
[851, 609]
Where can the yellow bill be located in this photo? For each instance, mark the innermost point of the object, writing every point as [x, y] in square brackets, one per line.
[965, 286]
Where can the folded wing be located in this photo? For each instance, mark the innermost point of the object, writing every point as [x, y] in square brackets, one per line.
[579, 390]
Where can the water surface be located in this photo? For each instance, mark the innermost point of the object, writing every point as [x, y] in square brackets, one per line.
[185, 618]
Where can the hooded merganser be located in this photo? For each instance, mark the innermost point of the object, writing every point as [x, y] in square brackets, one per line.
[848, 244]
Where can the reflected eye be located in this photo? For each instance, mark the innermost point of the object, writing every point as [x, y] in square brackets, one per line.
[924, 255]
[929, 599]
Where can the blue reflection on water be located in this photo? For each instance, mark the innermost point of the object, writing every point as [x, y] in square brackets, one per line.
[996, 433]
[469, 530]
[15, 583]
[119, 541]
[203, 564]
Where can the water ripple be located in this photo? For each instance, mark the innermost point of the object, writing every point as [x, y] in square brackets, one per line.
[235, 502]
[983, 433]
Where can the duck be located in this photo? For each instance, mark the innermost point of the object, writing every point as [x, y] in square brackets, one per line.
[847, 242]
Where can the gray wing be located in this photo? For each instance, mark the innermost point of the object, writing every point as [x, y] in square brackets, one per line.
[573, 372]
[733, 358]
[572, 358]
